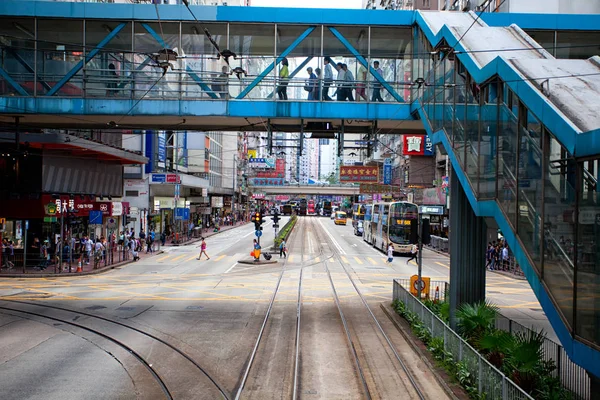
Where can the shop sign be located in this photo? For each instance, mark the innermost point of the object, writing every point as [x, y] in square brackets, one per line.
[51, 209]
[431, 210]
[417, 145]
[216, 202]
[359, 174]
[49, 219]
[387, 171]
[203, 210]
[165, 178]
[204, 192]
[373, 188]
[267, 182]
[112, 223]
[261, 163]
[258, 195]
[104, 208]
[117, 209]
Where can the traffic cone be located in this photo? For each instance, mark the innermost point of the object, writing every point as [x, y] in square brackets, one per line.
[79, 266]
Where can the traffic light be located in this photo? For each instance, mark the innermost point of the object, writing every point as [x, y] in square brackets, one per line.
[257, 219]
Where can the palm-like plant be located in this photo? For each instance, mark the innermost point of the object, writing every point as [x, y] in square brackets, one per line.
[525, 363]
[496, 345]
[473, 320]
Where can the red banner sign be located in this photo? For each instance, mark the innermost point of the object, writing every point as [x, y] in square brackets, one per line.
[359, 174]
[416, 145]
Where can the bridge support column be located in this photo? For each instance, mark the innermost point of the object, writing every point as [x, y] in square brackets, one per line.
[467, 251]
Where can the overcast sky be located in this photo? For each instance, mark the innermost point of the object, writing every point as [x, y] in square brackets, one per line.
[308, 3]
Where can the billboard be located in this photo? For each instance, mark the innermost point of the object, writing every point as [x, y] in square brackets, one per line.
[359, 174]
[387, 171]
[417, 145]
[261, 163]
[267, 181]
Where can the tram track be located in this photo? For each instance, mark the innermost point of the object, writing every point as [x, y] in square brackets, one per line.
[170, 380]
[368, 384]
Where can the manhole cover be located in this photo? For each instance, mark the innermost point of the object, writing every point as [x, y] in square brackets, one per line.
[95, 308]
[126, 308]
[194, 308]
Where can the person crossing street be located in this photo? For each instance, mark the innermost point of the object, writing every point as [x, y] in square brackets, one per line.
[203, 250]
[413, 253]
[282, 249]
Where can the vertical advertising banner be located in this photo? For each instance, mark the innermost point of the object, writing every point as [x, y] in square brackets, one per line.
[387, 171]
[162, 146]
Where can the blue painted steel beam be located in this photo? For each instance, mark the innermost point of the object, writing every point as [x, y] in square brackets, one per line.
[155, 35]
[271, 66]
[26, 65]
[13, 83]
[295, 72]
[364, 62]
[88, 57]
[201, 83]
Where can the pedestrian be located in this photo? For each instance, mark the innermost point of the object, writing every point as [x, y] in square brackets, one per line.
[505, 259]
[376, 85]
[327, 78]
[45, 254]
[488, 256]
[348, 83]
[66, 255]
[257, 249]
[224, 83]
[413, 253]
[361, 83]
[149, 244]
[310, 84]
[282, 249]
[284, 74]
[112, 81]
[390, 253]
[87, 243]
[163, 238]
[203, 250]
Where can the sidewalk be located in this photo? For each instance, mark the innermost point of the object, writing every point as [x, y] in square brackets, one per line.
[117, 260]
[516, 272]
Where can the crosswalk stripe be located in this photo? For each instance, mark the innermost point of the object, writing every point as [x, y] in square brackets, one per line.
[358, 260]
[371, 260]
[344, 259]
[192, 258]
[318, 259]
[179, 257]
[443, 265]
[331, 260]
[163, 258]
[291, 258]
[220, 257]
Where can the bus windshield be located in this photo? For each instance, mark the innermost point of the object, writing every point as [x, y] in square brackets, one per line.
[401, 215]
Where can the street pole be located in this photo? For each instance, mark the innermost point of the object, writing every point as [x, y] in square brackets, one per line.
[175, 197]
[419, 256]
[61, 238]
[234, 185]
[25, 246]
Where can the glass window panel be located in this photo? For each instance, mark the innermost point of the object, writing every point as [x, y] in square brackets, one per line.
[489, 142]
[530, 196]
[207, 76]
[449, 98]
[60, 49]
[507, 147]
[577, 44]
[460, 109]
[17, 37]
[149, 82]
[472, 135]
[559, 225]
[544, 38]
[309, 49]
[588, 255]
[394, 57]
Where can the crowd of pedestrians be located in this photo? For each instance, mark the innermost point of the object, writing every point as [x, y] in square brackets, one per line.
[319, 82]
[497, 256]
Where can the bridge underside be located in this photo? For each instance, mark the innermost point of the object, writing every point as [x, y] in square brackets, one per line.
[327, 190]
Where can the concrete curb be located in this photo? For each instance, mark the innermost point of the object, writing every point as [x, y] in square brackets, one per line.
[252, 262]
[404, 329]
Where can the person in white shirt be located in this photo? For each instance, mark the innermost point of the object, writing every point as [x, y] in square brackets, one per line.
[505, 257]
[327, 78]
[413, 253]
[390, 253]
[87, 243]
[376, 85]
[339, 83]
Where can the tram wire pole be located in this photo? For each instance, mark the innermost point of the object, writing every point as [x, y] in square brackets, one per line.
[420, 256]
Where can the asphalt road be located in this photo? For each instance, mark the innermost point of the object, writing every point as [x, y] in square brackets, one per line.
[211, 311]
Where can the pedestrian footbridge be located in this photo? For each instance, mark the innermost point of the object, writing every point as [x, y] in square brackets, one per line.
[512, 99]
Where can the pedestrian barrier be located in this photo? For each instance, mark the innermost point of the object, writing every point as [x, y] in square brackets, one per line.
[489, 379]
[572, 376]
[439, 243]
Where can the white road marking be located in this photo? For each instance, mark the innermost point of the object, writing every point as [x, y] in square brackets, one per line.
[332, 238]
[230, 268]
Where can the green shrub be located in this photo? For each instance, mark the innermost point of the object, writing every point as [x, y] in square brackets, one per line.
[284, 233]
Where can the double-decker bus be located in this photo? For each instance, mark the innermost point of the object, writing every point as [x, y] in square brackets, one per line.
[326, 208]
[302, 209]
[390, 223]
[311, 208]
[358, 213]
[368, 224]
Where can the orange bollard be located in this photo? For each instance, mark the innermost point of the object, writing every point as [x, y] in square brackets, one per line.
[79, 266]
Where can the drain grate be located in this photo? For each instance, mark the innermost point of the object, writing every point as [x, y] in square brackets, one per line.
[95, 308]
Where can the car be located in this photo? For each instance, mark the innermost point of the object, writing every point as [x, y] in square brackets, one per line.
[358, 229]
[340, 218]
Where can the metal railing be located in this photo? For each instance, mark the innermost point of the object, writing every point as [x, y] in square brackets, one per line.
[441, 287]
[572, 376]
[439, 243]
[488, 378]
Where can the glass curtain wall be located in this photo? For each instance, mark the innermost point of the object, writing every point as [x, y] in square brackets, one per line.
[18, 56]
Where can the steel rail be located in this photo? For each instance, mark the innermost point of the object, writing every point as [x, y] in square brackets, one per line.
[381, 330]
[128, 349]
[147, 334]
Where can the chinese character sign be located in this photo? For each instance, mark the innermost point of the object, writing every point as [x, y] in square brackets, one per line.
[359, 174]
[417, 145]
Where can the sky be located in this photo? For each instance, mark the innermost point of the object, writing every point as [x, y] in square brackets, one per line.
[308, 3]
